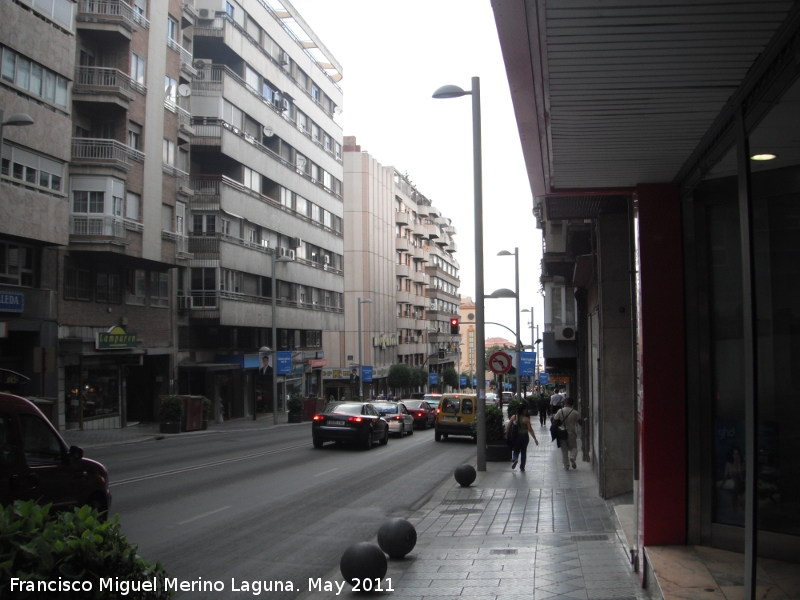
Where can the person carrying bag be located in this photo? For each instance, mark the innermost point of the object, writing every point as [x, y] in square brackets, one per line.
[517, 430]
[563, 430]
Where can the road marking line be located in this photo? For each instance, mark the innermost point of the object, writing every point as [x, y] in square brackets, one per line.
[203, 466]
[133, 458]
[326, 472]
[208, 514]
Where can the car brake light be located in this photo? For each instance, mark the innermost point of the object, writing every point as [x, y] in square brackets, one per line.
[398, 418]
[318, 417]
[355, 419]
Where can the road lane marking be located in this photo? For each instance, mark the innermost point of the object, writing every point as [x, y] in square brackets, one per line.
[326, 472]
[203, 466]
[208, 514]
[133, 458]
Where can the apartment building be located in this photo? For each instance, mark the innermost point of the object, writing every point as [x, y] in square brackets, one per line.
[266, 214]
[183, 162]
[394, 235]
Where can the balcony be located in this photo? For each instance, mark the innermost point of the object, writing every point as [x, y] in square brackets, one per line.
[405, 323]
[401, 244]
[110, 17]
[401, 217]
[420, 277]
[186, 57]
[420, 254]
[452, 246]
[450, 229]
[433, 231]
[402, 271]
[181, 244]
[98, 233]
[103, 86]
[422, 210]
[102, 152]
[421, 230]
[403, 297]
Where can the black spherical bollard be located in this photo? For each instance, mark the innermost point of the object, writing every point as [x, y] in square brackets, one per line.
[465, 475]
[363, 561]
[397, 537]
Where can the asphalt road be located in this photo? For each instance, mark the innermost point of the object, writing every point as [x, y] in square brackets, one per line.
[264, 505]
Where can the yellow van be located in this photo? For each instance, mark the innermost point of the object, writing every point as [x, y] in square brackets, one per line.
[456, 415]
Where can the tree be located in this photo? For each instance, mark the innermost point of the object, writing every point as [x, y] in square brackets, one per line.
[419, 377]
[450, 377]
[399, 376]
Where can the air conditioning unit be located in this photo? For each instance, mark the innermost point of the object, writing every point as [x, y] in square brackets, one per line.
[281, 251]
[290, 254]
[203, 12]
[184, 302]
[200, 63]
[327, 259]
[295, 242]
[283, 58]
[564, 333]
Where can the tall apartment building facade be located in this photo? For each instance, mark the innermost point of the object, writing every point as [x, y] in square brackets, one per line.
[137, 242]
[396, 238]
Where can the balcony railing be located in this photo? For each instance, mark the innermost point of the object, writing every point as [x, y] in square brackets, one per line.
[111, 80]
[186, 56]
[114, 10]
[103, 225]
[181, 243]
[102, 151]
[210, 300]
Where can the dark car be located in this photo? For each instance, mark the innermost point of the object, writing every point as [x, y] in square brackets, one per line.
[424, 414]
[354, 422]
[36, 464]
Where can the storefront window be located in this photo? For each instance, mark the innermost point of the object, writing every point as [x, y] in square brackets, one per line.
[95, 392]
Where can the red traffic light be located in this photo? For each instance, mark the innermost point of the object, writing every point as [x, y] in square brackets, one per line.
[454, 325]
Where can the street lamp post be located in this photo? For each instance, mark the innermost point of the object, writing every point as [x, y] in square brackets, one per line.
[516, 297]
[533, 347]
[15, 120]
[274, 337]
[360, 356]
[453, 91]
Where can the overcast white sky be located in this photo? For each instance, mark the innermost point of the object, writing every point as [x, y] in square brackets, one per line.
[395, 54]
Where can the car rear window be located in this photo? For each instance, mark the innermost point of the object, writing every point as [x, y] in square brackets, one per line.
[343, 409]
[386, 408]
[450, 405]
[414, 404]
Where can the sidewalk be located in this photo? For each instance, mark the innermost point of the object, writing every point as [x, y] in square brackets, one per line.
[143, 432]
[540, 534]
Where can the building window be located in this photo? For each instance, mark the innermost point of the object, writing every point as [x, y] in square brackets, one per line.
[137, 68]
[16, 264]
[135, 287]
[204, 224]
[229, 9]
[203, 287]
[132, 203]
[30, 76]
[172, 29]
[159, 289]
[134, 136]
[107, 288]
[170, 90]
[77, 284]
[230, 281]
[168, 153]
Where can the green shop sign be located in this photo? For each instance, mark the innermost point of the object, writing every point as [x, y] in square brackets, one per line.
[115, 338]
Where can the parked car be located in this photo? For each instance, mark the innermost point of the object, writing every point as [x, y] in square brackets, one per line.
[433, 400]
[492, 399]
[354, 422]
[507, 396]
[397, 415]
[456, 415]
[423, 413]
[36, 463]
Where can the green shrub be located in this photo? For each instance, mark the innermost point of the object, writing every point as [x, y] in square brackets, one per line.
[512, 407]
[206, 408]
[495, 425]
[171, 409]
[295, 405]
[68, 547]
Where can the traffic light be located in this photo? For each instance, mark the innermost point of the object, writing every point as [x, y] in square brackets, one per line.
[454, 326]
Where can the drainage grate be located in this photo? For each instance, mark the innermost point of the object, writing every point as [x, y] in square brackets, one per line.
[503, 551]
[589, 538]
[461, 511]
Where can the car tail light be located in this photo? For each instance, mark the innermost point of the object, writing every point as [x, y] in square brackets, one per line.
[398, 418]
[318, 417]
[355, 419]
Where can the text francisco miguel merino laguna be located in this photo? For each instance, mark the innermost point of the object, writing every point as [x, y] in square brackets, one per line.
[126, 586]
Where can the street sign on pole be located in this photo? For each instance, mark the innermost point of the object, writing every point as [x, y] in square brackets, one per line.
[433, 378]
[500, 362]
[544, 378]
[527, 364]
[283, 363]
[366, 373]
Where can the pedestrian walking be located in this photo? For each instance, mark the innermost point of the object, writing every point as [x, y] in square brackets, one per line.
[556, 401]
[519, 426]
[543, 403]
[569, 419]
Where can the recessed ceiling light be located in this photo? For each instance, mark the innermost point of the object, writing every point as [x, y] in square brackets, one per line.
[764, 157]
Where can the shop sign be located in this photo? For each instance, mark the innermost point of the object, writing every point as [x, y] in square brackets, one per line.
[317, 363]
[116, 338]
[560, 379]
[384, 340]
[12, 302]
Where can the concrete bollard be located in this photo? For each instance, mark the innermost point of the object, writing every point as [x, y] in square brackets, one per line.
[397, 537]
[465, 475]
[363, 561]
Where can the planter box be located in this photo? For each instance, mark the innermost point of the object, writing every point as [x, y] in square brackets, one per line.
[172, 427]
[498, 452]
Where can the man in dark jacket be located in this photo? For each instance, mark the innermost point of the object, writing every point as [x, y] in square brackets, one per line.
[543, 403]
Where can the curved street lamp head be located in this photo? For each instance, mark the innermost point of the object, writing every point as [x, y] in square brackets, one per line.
[19, 120]
[502, 293]
[450, 91]
[264, 349]
[506, 253]
[526, 310]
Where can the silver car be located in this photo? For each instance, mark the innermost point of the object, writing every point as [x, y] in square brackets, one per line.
[396, 414]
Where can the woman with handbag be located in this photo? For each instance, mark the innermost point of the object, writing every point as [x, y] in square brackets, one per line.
[521, 424]
[567, 418]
